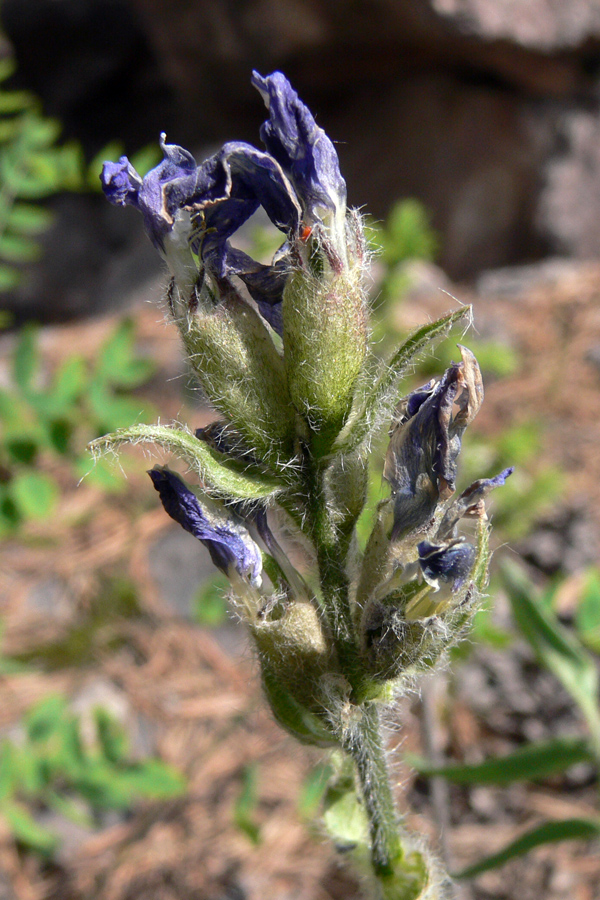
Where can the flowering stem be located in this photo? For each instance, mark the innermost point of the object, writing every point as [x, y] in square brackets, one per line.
[364, 744]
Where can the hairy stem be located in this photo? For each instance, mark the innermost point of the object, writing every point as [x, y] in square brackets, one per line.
[364, 744]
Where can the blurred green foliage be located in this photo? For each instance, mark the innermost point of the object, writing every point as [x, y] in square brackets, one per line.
[587, 615]
[96, 631]
[48, 420]
[210, 604]
[406, 235]
[246, 804]
[562, 652]
[51, 767]
[35, 165]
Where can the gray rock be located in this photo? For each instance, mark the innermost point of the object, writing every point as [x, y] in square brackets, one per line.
[52, 598]
[179, 564]
[511, 281]
[486, 110]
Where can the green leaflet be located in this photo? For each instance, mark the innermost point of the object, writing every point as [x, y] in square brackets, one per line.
[223, 476]
[532, 762]
[559, 650]
[26, 830]
[375, 401]
[549, 832]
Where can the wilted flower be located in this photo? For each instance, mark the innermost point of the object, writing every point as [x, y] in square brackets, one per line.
[226, 538]
[425, 442]
[449, 563]
[190, 208]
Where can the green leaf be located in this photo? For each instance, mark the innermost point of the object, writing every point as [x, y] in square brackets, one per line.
[9, 278]
[221, 475]
[67, 387]
[291, 715]
[115, 354]
[407, 233]
[35, 494]
[110, 787]
[112, 411]
[40, 132]
[344, 817]
[11, 408]
[549, 832]
[154, 780]
[558, 649]
[60, 401]
[10, 519]
[30, 777]
[7, 67]
[8, 770]
[135, 373]
[112, 737]
[26, 358]
[117, 365]
[9, 130]
[29, 219]
[374, 402]
[531, 762]
[69, 808]
[210, 605]
[45, 717]
[12, 102]
[70, 167]
[147, 158]
[26, 830]
[100, 473]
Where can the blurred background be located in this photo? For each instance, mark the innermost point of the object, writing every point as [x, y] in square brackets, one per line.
[137, 761]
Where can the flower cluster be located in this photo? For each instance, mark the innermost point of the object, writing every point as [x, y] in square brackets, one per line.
[282, 352]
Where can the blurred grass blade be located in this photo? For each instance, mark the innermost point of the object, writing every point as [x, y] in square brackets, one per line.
[534, 761]
[549, 832]
[313, 789]
[559, 650]
[246, 804]
[587, 615]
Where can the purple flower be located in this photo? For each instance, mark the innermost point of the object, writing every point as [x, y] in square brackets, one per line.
[421, 461]
[448, 563]
[198, 208]
[303, 150]
[124, 187]
[230, 546]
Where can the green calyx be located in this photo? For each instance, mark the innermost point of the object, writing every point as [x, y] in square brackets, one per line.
[296, 648]
[325, 339]
[242, 373]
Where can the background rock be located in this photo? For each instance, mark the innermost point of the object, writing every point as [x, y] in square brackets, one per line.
[486, 110]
